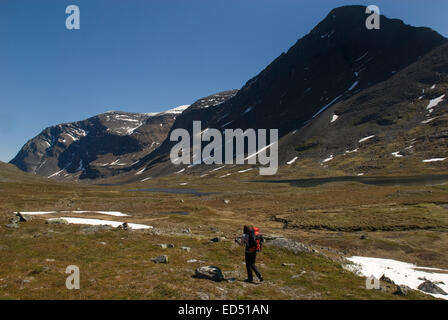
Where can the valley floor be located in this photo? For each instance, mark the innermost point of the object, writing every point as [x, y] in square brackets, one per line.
[334, 221]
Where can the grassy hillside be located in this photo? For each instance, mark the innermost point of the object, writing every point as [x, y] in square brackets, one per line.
[404, 223]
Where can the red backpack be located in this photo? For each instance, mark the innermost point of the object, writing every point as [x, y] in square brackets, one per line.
[255, 240]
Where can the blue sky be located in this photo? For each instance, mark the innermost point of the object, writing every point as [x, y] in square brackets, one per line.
[148, 55]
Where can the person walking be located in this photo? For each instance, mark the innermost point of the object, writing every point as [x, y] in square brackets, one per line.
[252, 240]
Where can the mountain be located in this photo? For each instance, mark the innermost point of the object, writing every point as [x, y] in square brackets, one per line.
[100, 146]
[338, 60]
[339, 88]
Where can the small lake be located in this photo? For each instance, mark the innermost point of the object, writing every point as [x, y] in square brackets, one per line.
[174, 191]
[425, 180]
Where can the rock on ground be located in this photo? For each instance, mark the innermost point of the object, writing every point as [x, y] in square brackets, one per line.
[290, 245]
[160, 259]
[431, 287]
[402, 290]
[209, 272]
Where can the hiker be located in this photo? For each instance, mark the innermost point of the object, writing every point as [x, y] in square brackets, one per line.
[252, 239]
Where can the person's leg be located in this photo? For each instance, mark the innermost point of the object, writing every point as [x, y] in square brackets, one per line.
[254, 267]
[250, 276]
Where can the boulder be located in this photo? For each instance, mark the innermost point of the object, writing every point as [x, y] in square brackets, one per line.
[386, 279]
[170, 245]
[217, 239]
[188, 249]
[226, 201]
[209, 272]
[160, 259]
[402, 290]
[12, 225]
[430, 287]
[163, 246]
[291, 245]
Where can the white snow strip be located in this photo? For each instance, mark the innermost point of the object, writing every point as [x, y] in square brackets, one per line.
[433, 87]
[146, 179]
[428, 121]
[328, 159]
[402, 273]
[246, 170]
[226, 175]
[216, 169]
[203, 175]
[351, 151]
[109, 213]
[397, 154]
[434, 102]
[326, 106]
[335, 117]
[181, 170]
[248, 110]
[366, 138]
[140, 172]
[360, 174]
[434, 160]
[55, 174]
[292, 160]
[99, 222]
[353, 85]
[183, 184]
[261, 150]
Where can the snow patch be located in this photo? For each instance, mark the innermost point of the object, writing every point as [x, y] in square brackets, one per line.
[434, 102]
[292, 160]
[335, 117]
[366, 138]
[402, 273]
[99, 222]
[434, 160]
[397, 154]
[328, 159]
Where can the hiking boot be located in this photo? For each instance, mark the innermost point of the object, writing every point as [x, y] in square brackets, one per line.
[261, 279]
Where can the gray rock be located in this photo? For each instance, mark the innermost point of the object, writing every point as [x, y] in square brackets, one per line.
[22, 218]
[187, 230]
[290, 245]
[402, 290]
[364, 237]
[188, 249]
[226, 201]
[12, 225]
[431, 287]
[56, 221]
[288, 264]
[163, 246]
[386, 279]
[203, 296]
[170, 245]
[160, 259]
[217, 239]
[209, 272]
[125, 226]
